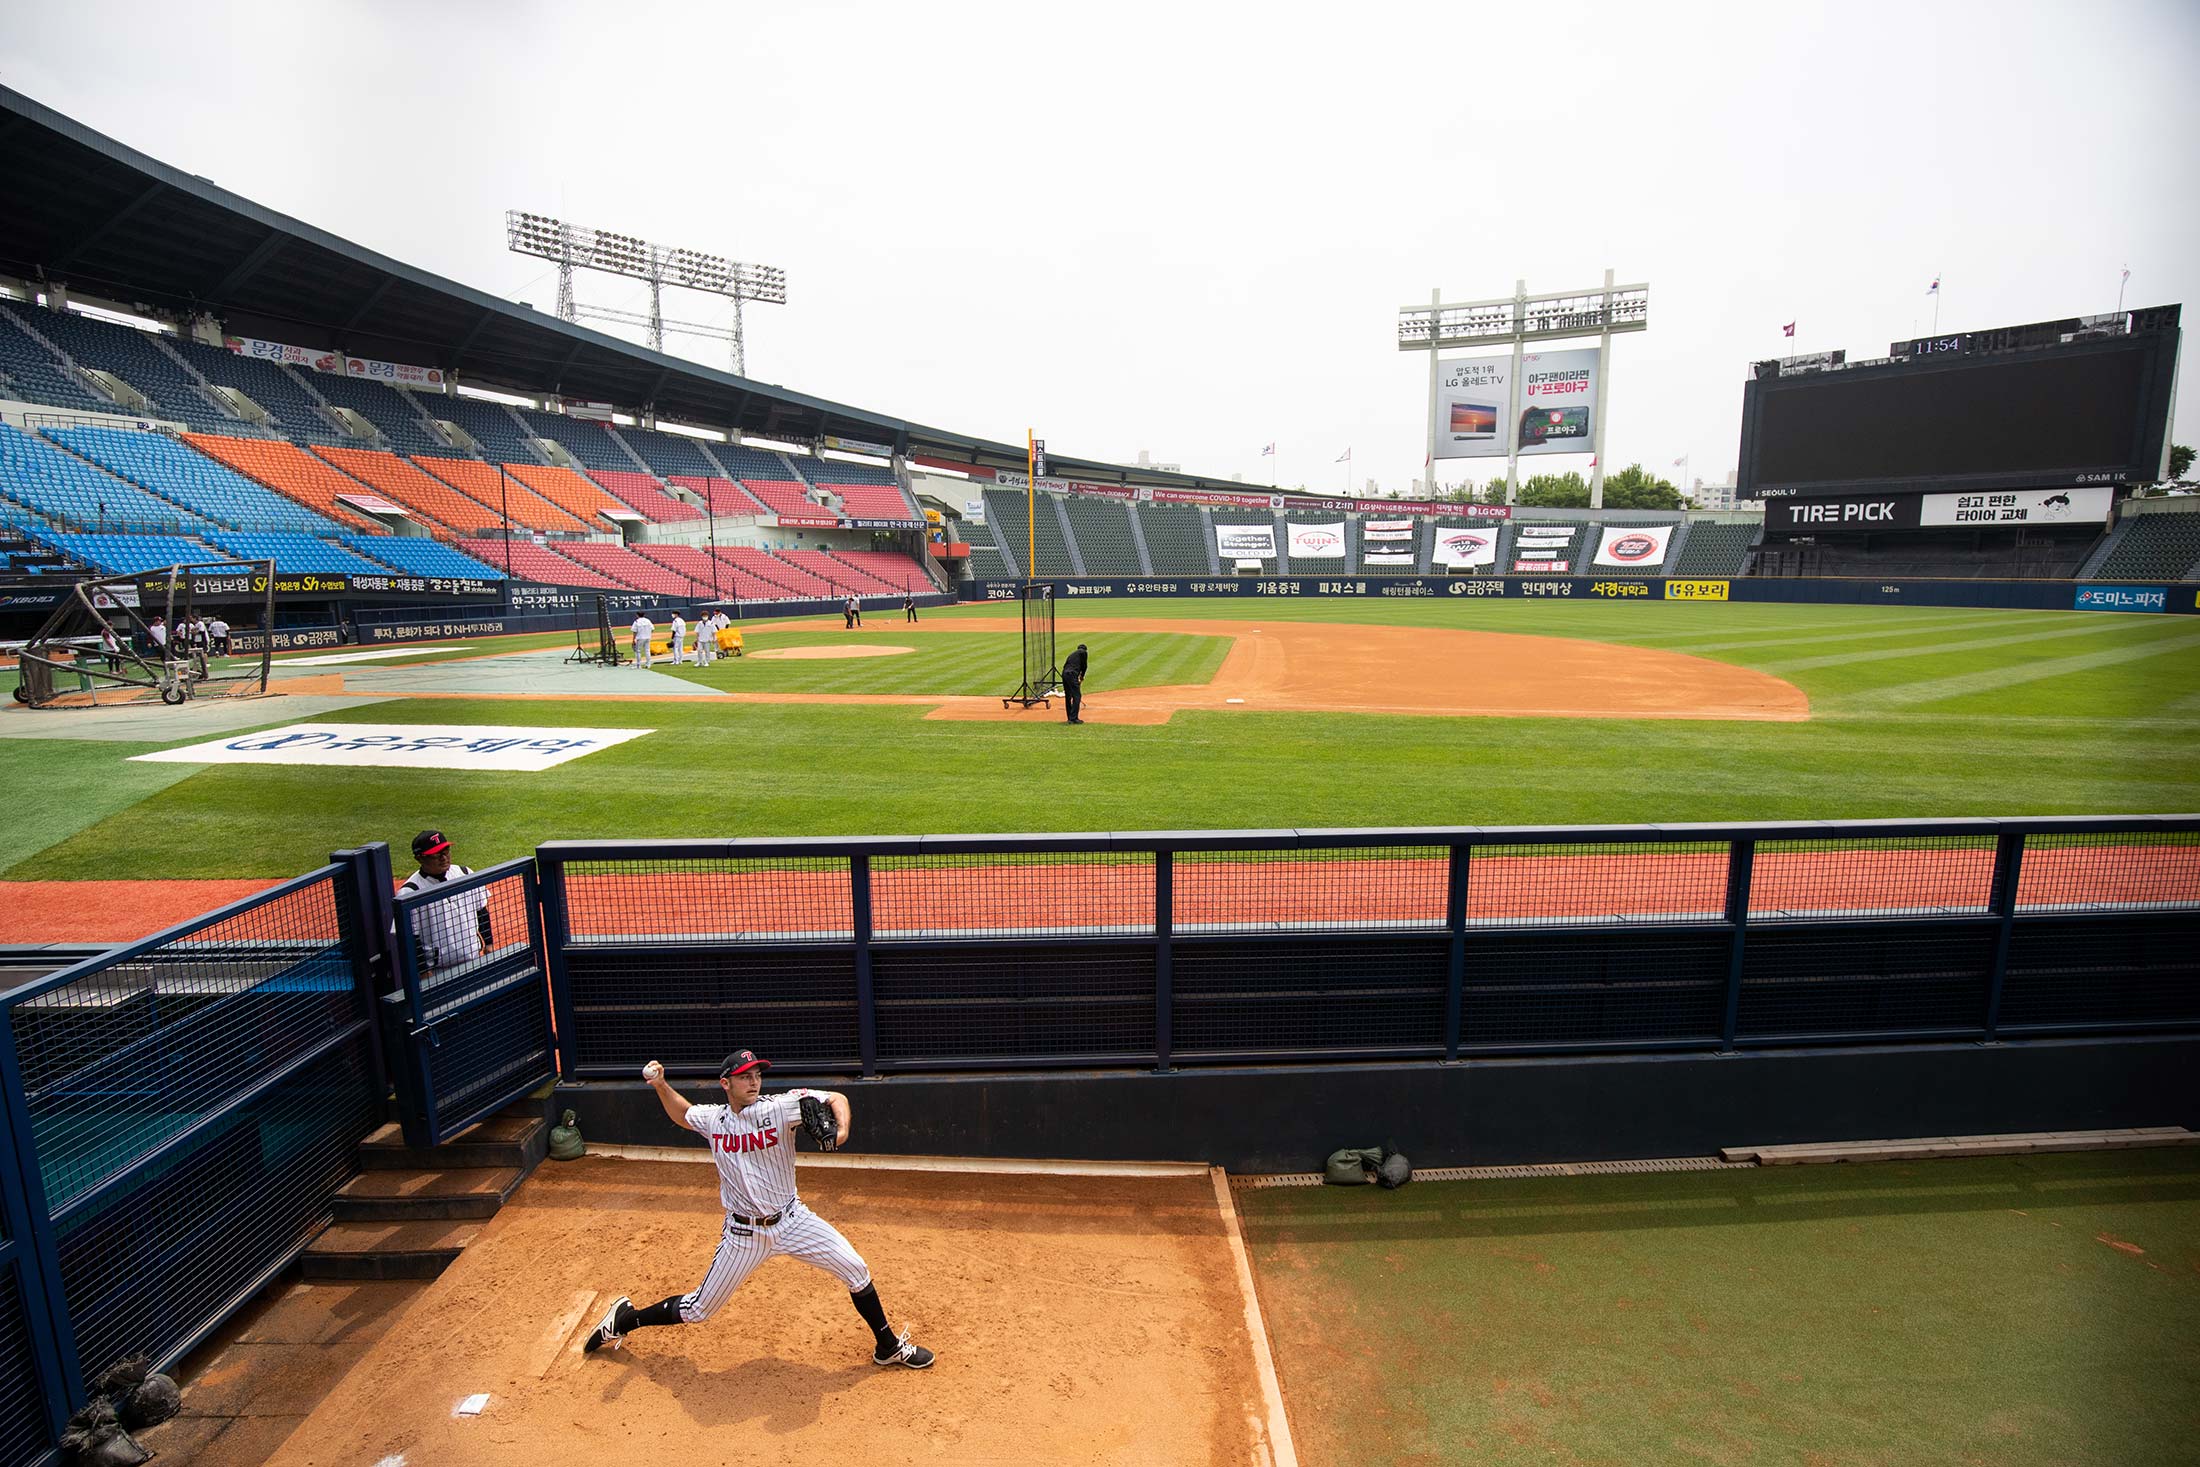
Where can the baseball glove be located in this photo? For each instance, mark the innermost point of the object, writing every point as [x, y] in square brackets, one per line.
[817, 1119]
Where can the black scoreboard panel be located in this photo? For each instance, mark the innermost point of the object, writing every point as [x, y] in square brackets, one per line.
[2089, 412]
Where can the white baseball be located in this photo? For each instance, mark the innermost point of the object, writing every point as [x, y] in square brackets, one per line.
[653, 1072]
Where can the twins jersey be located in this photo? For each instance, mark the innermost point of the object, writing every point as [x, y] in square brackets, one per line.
[448, 933]
[754, 1150]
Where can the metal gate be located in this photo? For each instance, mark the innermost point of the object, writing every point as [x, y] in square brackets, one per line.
[471, 1030]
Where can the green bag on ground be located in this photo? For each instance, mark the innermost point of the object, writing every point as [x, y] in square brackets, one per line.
[1353, 1166]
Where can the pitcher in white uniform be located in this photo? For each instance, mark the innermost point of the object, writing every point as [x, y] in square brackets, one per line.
[752, 1141]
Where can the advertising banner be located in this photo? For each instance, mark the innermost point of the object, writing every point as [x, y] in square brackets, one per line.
[397, 374]
[1539, 567]
[2077, 506]
[1245, 542]
[2122, 598]
[1317, 542]
[1634, 544]
[1386, 530]
[291, 356]
[403, 746]
[1544, 534]
[1696, 591]
[1480, 415]
[1386, 557]
[1460, 547]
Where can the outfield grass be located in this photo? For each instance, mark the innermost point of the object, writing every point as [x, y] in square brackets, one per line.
[2058, 713]
[2012, 1311]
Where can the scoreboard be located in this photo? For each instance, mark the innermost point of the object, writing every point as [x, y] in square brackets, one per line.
[2053, 404]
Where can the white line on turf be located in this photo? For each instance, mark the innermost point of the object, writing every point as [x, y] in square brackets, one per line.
[1256, 1329]
[333, 658]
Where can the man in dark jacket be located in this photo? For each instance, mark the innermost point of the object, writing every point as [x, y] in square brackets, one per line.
[1073, 683]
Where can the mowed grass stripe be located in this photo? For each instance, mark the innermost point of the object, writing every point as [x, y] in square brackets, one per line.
[960, 665]
[1991, 679]
[1772, 640]
[2099, 628]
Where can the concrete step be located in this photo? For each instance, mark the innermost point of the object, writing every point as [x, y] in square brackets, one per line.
[507, 1139]
[382, 1250]
[425, 1194]
[1921, 1148]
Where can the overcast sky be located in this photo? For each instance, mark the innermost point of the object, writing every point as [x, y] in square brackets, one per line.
[1187, 228]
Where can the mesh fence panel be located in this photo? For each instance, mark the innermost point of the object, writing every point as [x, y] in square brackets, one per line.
[23, 1433]
[1863, 982]
[1531, 988]
[791, 899]
[1267, 891]
[147, 1264]
[2142, 870]
[2065, 974]
[458, 937]
[489, 1048]
[1902, 876]
[1071, 1000]
[1068, 893]
[1683, 881]
[688, 1007]
[120, 1060]
[1369, 995]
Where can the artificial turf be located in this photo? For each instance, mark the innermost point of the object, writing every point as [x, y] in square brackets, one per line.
[2008, 1311]
[1915, 712]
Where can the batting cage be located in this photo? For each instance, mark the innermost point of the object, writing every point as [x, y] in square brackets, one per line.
[606, 650]
[1040, 674]
[130, 639]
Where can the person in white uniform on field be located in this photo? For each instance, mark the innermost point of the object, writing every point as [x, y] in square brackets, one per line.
[644, 629]
[752, 1141]
[679, 636]
[446, 934]
[706, 641]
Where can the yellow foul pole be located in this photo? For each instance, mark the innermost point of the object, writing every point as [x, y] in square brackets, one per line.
[1031, 506]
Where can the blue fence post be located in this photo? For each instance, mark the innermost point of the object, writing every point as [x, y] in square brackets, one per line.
[1741, 860]
[1455, 922]
[1164, 981]
[363, 903]
[2008, 861]
[45, 1307]
[859, 878]
[557, 931]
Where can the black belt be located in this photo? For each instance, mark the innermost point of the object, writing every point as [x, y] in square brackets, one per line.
[757, 1222]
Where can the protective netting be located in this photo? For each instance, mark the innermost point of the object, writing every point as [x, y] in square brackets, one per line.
[2142, 870]
[1682, 881]
[1898, 979]
[1253, 891]
[1064, 893]
[960, 1004]
[782, 899]
[1879, 876]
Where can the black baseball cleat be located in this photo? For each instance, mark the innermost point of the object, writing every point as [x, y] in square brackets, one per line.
[604, 1333]
[915, 1356]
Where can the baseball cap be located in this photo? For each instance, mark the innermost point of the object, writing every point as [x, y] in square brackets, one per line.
[430, 843]
[740, 1060]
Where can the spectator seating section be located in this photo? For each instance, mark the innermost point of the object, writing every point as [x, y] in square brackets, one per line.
[623, 565]
[1004, 511]
[176, 471]
[838, 471]
[401, 481]
[293, 552]
[645, 496]
[784, 497]
[35, 374]
[124, 555]
[1176, 539]
[2155, 547]
[589, 442]
[1947, 554]
[295, 412]
[532, 562]
[668, 453]
[570, 492]
[483, 484]
[840, 579]
[1103, 531]
[709, 577]
[755, 463]
[64, 488]
[502, 437]
[891, 569]
[724, 496]
[1304, 565]
[987, 564]
[872, 501]
[419, 556]
[130, 354]
[288, 470]
[393, 412]
[1714, 550]
[791, 576]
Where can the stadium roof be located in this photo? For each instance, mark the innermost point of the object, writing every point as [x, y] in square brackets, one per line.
[78, 208]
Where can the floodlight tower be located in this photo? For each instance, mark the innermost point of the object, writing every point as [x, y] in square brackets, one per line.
[575, 247]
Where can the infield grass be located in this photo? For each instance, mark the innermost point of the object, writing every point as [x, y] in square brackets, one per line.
[1915, 712]
[2013, 1311]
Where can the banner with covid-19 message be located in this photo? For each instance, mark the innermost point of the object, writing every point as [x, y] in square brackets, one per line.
[1478, 415]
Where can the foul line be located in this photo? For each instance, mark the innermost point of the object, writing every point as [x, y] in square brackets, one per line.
[966, 1164]
[1281, 1452]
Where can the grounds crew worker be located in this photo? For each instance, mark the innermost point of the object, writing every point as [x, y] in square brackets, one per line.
[1073, 683]
[449, 934]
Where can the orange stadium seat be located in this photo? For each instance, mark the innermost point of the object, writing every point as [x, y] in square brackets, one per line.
[423, 494]
[288, 470]
[570, 492]
[482, 483]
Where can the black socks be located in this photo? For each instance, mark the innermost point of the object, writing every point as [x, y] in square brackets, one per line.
[664, 1311]
[874, 1314]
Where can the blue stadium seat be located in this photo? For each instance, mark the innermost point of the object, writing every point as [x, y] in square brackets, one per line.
[36, 375]
[586, 441]
[394, 413]
[130, 354]
[421, 557]
[76, 496]
[123, 555]
[176, 471]
[293, 552]
[490, 426]
[669, 453]
[294, 410]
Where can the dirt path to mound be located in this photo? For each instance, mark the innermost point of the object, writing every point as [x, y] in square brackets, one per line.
[1075, 1319]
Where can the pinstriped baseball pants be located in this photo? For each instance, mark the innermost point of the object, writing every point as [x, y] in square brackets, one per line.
[800, 1234]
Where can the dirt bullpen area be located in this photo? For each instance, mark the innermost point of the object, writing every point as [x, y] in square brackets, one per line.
[1089, 1319]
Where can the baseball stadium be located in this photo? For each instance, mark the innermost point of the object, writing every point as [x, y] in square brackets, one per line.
[1240, 976]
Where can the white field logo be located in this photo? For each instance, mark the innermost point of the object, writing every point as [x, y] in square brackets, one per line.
[403, 746]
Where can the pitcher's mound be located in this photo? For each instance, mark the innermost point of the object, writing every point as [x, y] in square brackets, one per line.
[819, 654]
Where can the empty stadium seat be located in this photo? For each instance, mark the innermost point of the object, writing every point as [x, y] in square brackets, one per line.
[890, 570]
[1715, 549]
[624, 566]
[2155, 547]
[724, 496]
[709, 576]
[532, 562]
[39, 476]
[669, 454]
[124, 555]
[131, 355]
[744, 462]
[832, 471]
[420, 556]
[783, 496]
[484, 484]
[1176, 539]
[295, 412]
[872, 501]
[1103, 530]
[35, 374]
[572, 493]
[503, 438]
[176, 471]
[1004, 510]
[645, 496]
[588, 441]
[396, 414]
[288, 470]
[401, 481]
[784, 570]
[292, 552]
